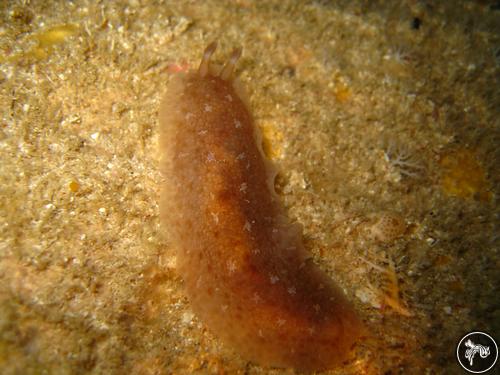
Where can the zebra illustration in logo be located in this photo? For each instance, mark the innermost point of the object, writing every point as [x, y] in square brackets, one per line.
[484, 351]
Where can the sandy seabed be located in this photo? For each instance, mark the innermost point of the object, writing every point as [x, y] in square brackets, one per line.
[382, 116]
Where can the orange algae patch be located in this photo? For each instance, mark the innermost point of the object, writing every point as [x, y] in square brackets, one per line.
[340, 89]
[74, 186]
[442, 260]
[456, 285]
[272, 140]
[244, 265]
[463, 176]
[46, 40]
[342, 93]
[51, 37]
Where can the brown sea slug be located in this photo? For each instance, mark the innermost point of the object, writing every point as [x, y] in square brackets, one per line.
[243, 263]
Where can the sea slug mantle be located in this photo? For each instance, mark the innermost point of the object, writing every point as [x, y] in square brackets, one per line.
[243, 262]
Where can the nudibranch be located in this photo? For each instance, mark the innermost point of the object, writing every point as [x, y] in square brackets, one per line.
[243, 262]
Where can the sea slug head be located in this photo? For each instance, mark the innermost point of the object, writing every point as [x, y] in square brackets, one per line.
[227, 71]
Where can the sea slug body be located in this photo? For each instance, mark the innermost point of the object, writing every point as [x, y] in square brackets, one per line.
[243, 263]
